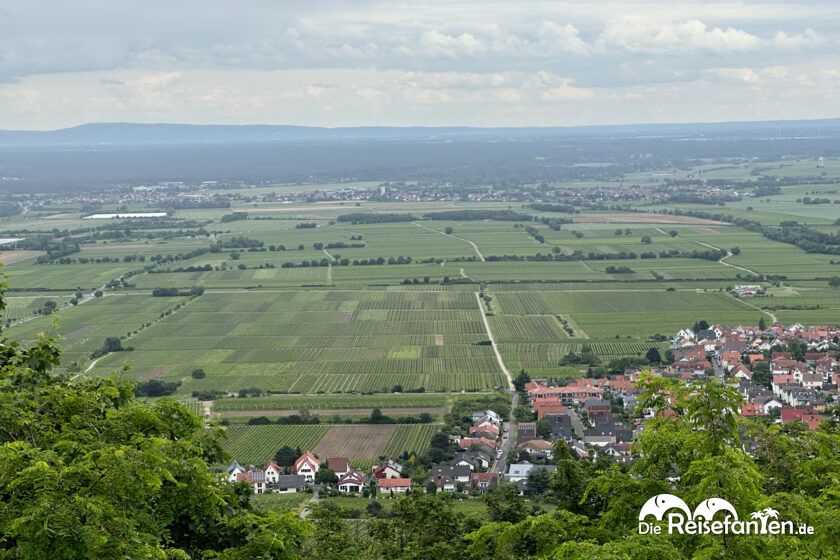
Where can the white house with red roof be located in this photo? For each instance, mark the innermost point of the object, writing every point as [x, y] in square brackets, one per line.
[307, 465]
[394, 485]
[272, 472]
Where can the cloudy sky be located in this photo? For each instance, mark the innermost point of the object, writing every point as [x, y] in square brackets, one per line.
[424, 62]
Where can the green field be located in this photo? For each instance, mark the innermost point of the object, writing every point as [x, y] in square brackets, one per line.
[289, 319]
[310, 341]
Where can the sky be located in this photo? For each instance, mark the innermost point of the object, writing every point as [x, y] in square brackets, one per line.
[420, 63]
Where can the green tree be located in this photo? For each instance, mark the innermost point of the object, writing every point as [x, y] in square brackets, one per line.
[198, 373]
[505, 504]
[331, 539]
[87, 471]
[538, 482]
[112, 344]
[325, 476]
[761, 374]
[286, 456]
[521, 379]
[797, 349]
[834, 282]
[653, 356]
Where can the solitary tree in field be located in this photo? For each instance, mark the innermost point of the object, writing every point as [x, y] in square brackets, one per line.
[448, 230]
[198, 373]
[834, 282]
[113, 344]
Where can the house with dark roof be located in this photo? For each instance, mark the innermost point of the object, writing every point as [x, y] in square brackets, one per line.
[351, 482]
[481, 482]
[475, 460]
[449, 478]
[290, 483]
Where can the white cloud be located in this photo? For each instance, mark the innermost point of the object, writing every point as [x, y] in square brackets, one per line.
[430, 61]
[806, 40]
[639, 34]
[562, 38]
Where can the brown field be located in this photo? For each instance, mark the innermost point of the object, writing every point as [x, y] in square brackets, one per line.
[9, 257]
[81, 332]
[359, 442]
[155, 373]
[394, 411]
[639, 218]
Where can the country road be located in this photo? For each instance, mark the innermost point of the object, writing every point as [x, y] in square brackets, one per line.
[474, 246]
[510, 426]
[493, 342]
[728, 254]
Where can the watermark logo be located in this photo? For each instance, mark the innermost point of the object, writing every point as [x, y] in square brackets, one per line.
[715, 516]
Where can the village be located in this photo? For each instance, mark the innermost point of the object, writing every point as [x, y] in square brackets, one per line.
[783, 374]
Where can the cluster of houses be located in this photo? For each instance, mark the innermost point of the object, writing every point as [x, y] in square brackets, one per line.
[792, 388]
[387, 477]
[588, 413]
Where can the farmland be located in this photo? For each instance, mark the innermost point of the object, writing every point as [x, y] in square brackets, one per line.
[310, 341]
[360, 443]
[289, 308]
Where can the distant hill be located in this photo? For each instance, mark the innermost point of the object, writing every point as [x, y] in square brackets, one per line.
[138, 134]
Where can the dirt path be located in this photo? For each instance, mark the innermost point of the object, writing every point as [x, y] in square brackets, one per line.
[728, 254]
[757, 308]
[464, 275]
[493, 342]
[474, 246]
[332, 258]
[304, 511]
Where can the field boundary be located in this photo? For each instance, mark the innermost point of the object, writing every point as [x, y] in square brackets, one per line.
[493, 342]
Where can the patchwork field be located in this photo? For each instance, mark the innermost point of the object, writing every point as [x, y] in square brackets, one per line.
[311, 341]
[362, 444]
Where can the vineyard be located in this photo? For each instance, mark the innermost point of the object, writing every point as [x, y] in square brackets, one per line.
[313, 341]
[257, 444]
[361, 442]
[413, 439]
